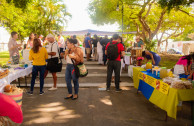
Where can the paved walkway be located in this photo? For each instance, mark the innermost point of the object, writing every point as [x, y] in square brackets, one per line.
[94, 107]
[97, 108]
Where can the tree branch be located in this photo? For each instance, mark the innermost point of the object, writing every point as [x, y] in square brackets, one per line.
[186, 13]
[173, 34]
[150, 6]
[159, 23]
[136, 4]
[161, 36]
[142, 21]
[143, 7]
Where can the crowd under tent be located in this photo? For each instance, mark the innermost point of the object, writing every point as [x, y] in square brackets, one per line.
[99, 33]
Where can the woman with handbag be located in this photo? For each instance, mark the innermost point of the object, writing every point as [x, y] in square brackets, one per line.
[53, 60]
[73, 56]
[39, 55]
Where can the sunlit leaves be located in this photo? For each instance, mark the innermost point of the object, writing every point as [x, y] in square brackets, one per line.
[39, 16]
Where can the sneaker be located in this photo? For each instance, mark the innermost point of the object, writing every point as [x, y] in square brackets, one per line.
[30, 93]
[118, 90]
[52, 89]
[41, 93]
[107, 89]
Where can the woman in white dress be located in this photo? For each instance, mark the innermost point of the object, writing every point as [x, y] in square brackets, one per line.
[99, 53]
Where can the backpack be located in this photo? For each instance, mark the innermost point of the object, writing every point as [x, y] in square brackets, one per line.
[112, 51]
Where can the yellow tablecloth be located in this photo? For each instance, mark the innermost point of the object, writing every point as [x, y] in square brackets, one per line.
[167, 102]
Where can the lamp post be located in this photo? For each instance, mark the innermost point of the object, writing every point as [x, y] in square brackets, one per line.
[122, 13]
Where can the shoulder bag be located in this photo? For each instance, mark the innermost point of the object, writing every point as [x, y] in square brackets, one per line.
[80, 69]
[53, 63]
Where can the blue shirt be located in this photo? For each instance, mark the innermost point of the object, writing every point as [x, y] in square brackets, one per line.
[157, 58]
[86, 42]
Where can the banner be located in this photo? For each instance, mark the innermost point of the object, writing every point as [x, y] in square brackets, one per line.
[155, 83]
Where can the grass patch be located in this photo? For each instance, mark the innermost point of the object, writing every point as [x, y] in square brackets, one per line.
[4, 57]
[169, 60]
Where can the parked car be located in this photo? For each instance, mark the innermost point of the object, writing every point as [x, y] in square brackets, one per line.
[174, 51]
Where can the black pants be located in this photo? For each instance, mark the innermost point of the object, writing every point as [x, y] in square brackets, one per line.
[116, 66]
[104, 57]
[61, 50]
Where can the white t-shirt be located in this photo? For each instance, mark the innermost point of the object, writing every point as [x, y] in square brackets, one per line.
[68, 60]
[54, 49]
[61, 42]
[99, 48]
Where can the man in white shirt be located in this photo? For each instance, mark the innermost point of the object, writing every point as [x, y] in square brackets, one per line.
[53, 52]
[61, 43]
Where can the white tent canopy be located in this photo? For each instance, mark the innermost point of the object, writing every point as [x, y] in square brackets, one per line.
[99, 33]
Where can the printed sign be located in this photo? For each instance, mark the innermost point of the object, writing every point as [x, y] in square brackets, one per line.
[155, 83]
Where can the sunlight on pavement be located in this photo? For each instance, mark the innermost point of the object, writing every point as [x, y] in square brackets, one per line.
[91, 106]
[46, 113]
[106, 100]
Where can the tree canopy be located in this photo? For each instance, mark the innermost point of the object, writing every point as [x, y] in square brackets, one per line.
[38, 16]
[144, 16]
[170, 4]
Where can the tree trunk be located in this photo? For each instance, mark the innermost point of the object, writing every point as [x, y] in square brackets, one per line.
[166, 46]
[158, 47]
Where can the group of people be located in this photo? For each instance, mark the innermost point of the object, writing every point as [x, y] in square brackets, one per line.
[40, 53]
[41, 56]
[104, 49]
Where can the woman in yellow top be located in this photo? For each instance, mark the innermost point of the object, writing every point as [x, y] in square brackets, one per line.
[38, 55]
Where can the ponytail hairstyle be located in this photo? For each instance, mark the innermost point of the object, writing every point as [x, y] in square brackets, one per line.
[188, 58]
[36, 45]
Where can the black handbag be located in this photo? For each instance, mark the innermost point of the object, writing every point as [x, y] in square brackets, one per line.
[53, 64]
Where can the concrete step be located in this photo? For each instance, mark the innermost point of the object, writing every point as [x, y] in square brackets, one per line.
[81, 80]
[122, 84]
[61, 75]
[91, 67]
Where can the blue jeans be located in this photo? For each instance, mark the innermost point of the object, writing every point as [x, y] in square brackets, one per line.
[70, 74]
[35, 71]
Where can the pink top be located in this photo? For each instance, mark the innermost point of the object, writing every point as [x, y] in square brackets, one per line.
[31, 44]
[182, 61]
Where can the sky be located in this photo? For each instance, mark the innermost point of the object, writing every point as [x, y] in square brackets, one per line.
[80, 19]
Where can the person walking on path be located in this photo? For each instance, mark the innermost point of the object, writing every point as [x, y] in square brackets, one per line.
[38, 55]
[53, 52]
[114, 50]
[13, 46]
[104, 42]
[95, 41]
[74, 54]
[88, 45]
